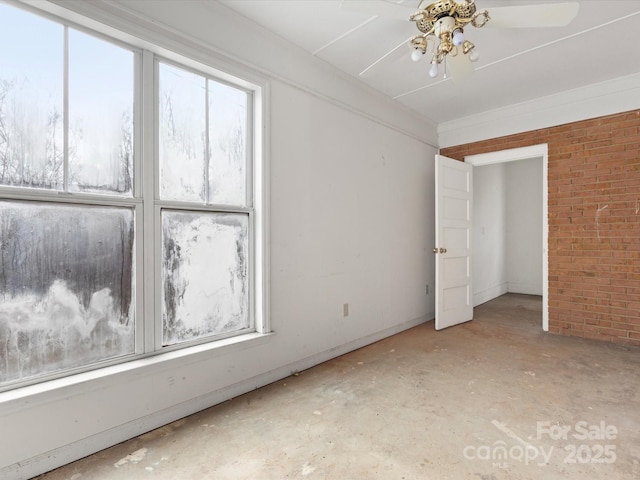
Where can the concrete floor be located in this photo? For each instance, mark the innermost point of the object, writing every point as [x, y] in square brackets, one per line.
[491, 399]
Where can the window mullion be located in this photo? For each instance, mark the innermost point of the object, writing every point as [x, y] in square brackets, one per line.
[65, 112]
[207, 151]
[249, 152]
[148, 192]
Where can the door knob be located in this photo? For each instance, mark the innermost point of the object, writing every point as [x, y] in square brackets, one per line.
[443, 250]
[435, 250]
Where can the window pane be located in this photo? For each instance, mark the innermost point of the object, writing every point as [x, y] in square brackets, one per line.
[182, 133]
[228, 144]
[100, 115]
[31, 124]
[66, 287]
[204, 274]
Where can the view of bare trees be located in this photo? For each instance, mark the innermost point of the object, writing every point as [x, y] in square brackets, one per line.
[32, 147]
[30, 155]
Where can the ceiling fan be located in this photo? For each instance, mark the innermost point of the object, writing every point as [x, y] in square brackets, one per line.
[442, 23]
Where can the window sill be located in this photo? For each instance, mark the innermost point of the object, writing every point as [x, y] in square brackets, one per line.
[103, 377]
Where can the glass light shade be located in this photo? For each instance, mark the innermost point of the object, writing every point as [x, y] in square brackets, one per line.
[473, 55]
[433, 71]
[458, 37]
[416, 55]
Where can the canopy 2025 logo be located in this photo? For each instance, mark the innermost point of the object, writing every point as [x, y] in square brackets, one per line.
[603, 451]
[582, 443]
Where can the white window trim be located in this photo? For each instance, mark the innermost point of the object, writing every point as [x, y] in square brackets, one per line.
[148, 353]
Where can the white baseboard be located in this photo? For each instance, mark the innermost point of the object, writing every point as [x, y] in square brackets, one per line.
[525, 288]
[489, 294]
[61, 456]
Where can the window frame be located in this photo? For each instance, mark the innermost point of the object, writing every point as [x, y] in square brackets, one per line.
[145, 199]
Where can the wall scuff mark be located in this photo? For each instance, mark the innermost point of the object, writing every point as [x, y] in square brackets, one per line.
[600, 210]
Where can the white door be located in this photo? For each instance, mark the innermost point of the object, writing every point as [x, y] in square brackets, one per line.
[454, 195]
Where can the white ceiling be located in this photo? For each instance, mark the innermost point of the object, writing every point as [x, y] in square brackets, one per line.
[516, 65]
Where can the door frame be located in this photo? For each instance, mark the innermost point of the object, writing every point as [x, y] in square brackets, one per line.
[524, 153]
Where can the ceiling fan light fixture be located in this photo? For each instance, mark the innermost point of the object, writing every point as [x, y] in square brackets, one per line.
[419, 46]
[416, 55]
[480, 19]
[444, 22]
[458, 37]
[433, 71]
[467, 46]
[469, 49]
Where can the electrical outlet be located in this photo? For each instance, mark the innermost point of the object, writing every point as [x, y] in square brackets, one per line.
[345, 310]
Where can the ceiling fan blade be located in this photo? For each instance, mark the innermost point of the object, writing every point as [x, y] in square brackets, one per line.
[459, 67]
[526, 16]
[378, 8]
[388, 58]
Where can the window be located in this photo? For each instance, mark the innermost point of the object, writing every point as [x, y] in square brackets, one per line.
[204, 274]
[66, 283]
[203, 126]
[76, 214]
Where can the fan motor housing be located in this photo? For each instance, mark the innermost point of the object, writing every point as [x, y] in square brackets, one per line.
[443, 8]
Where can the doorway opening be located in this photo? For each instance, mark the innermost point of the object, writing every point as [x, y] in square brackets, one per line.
[510, 230]
[511, 310]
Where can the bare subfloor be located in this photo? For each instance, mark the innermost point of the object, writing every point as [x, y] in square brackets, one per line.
[492, 399]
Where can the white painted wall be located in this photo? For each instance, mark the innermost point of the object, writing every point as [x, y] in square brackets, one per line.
[351, 210]
[489, 232]
[524, 226]
[507, 229]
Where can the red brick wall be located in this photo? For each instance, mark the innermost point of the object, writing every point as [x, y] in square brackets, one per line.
[594, 223]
